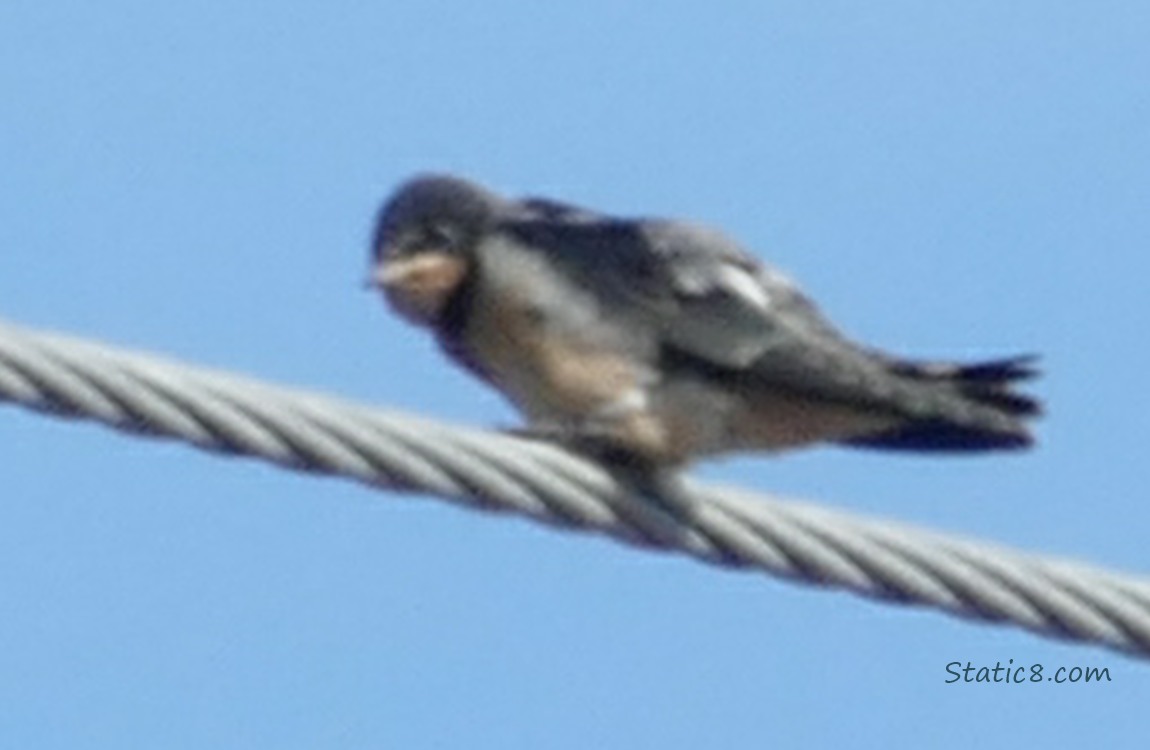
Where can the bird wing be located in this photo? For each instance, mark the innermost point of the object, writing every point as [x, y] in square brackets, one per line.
[705, 299]
[740, 314]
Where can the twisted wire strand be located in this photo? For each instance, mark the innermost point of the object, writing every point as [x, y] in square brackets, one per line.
[225, 413]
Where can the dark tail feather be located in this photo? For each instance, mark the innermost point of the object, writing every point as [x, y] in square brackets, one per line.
[987, 384]
[937, 436]
[998, 371]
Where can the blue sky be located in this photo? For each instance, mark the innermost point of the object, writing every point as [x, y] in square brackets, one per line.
[948, 179]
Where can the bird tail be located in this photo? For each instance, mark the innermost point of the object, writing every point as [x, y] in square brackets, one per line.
[988, 413]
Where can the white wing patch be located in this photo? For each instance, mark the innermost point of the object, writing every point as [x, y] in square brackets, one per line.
[745, 286]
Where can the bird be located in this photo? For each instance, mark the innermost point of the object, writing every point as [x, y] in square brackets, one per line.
[659, 342]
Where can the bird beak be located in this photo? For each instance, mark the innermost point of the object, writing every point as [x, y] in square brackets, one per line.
[385, 274]
[419, 286]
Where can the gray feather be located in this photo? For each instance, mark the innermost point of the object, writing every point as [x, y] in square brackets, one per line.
[703, 298]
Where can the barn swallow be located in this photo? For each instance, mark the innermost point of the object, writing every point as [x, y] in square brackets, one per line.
[661, 340]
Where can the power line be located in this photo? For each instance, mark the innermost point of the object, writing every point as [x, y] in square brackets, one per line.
[225, 413]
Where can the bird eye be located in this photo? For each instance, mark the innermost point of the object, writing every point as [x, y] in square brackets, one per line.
[439, 237]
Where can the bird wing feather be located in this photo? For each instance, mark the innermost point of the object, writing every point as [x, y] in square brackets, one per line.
[705, 299]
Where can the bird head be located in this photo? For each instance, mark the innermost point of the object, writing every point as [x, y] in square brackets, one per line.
[423, 250]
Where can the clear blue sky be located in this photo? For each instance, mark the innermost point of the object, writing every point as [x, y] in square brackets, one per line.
[199, 179]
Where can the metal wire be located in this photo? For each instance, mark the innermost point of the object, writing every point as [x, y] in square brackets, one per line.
[221, 412]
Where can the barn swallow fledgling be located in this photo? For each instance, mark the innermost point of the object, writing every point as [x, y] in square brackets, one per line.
[662, 340]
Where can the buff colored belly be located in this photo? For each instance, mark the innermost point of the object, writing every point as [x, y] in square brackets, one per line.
[550, 375]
